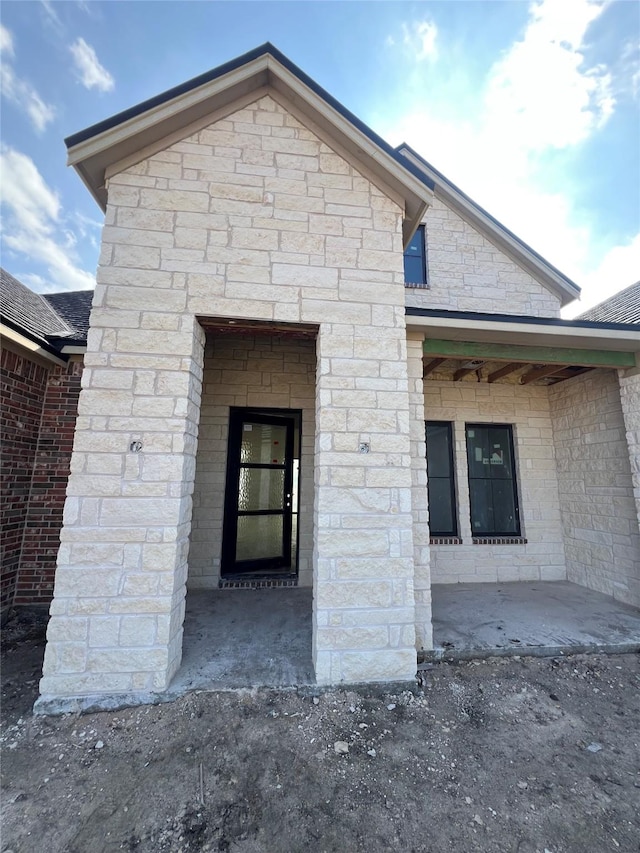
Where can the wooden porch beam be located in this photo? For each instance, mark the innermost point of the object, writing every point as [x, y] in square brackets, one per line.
[527, 354]
[504, 371]
[431, 366]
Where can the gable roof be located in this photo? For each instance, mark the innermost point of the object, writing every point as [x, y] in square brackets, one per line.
[622, 307]
[54, 320]
[117, 142]
[494, 231]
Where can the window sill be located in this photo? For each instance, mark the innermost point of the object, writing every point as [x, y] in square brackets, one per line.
[499, 540]
[417, 285]
[445, 540]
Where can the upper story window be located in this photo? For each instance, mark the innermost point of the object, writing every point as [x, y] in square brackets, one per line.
[415, 260]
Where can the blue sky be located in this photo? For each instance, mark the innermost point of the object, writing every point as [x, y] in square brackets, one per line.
[532, 108]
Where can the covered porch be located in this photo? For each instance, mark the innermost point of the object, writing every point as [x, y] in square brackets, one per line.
[262, 637]
[547, 618]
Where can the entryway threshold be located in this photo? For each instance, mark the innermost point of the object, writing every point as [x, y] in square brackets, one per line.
[286, 582]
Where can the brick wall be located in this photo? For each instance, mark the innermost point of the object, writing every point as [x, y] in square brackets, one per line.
[527, 409]
[264, 372]
[468, 273]
[23, 389]
[49, 485]
[39, 406]
[599, 511]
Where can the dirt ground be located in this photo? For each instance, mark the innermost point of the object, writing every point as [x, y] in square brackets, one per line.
[521, 755]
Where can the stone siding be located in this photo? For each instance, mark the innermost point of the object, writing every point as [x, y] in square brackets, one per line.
[252, 217]
[468, 273]
[599, 513]
[527, 410]
[419, 495]
[265, 372]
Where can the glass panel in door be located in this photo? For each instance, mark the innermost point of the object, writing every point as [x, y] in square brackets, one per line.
[257, 534]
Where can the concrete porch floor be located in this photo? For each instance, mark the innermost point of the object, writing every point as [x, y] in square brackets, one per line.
[262, 638]
[554, 617]
[246, 638]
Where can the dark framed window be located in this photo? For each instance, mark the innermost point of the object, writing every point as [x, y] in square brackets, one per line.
[440, 479]
[415, 259]
[493, 493]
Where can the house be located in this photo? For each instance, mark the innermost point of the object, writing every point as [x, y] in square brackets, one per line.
[43, 338]
[283, 302]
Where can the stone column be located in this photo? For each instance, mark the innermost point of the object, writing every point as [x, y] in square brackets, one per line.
[363, 614]
[630, 400]
[419, 497]
[116, 618]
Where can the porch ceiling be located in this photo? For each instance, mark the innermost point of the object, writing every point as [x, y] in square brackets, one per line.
[457, 369]
[455, 360]
[240, 328]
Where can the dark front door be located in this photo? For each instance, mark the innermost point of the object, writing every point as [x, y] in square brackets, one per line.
[258, 498]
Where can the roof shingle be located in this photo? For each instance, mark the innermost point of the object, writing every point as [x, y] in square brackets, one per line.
[622, 307]
[51, 318]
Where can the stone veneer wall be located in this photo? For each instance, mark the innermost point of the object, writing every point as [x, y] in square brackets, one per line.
[630, 401]
[419, 495]
[599, 512]
[468, 273]
[527, 409]
[254, 217]
[265, 372]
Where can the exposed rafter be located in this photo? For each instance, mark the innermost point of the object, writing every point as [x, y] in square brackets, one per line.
[504, 371]
[431, 366]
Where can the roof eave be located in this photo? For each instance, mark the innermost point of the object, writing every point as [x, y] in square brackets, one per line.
[94, 151]
[500, 328]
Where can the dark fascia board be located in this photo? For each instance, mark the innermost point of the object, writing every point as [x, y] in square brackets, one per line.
[44, 343]
[68, 342]
[232, 65]
[521, 319]
[571, 286]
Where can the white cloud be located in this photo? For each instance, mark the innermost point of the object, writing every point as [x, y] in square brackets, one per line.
[618, 269]
[52, 15]
[92, 74]
[34, 227]
[540, 96]
[6, 41]
[420, 39]
[539, 92]
[20, 92]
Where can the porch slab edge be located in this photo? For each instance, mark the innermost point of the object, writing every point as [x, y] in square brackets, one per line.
[453, 655]
[56, 706]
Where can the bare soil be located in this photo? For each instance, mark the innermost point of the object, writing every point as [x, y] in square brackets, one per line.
[509, 755]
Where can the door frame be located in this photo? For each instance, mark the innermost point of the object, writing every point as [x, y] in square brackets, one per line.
[229, 568]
